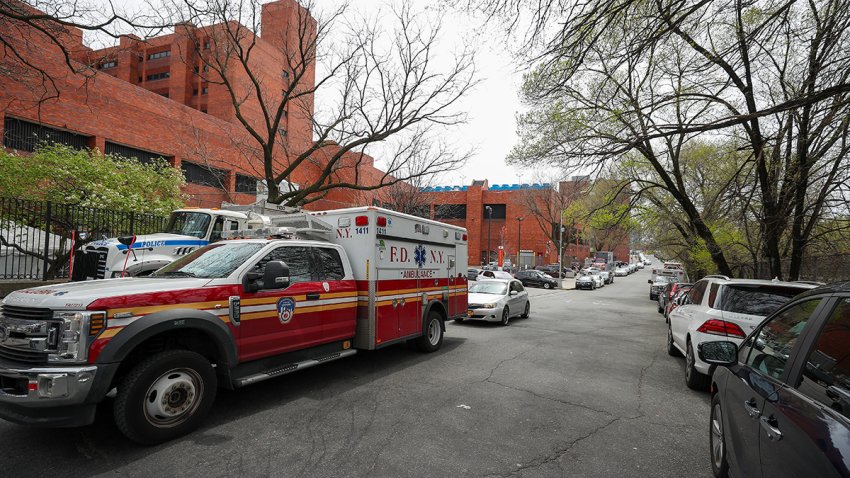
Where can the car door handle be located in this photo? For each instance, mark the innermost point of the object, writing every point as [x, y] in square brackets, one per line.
[313, 296]
[751, 408]
[770, 427]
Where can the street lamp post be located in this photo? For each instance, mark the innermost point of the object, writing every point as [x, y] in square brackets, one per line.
[518, 241]
[561, 253]
[489, 224]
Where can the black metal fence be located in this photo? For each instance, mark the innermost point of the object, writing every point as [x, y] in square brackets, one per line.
[36, 236]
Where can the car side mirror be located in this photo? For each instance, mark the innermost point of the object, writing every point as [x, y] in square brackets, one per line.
[513, 292]
[649, 281]
[251, 282]
[718, 353]
[276, 275]
[126, 240]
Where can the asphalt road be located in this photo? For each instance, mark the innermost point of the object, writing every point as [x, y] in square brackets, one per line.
[583, 387]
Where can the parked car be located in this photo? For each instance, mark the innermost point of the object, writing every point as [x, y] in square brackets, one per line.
[535, 278]
[780, 404]
[597, 276]
[680, 295]
[621, 271]
[497, 275]
[721, 306]
[667, 294]
[497, 300]
[472, 273]
[585, 280]
[658, 285]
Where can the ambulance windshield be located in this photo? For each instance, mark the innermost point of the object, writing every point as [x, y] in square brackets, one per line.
[215, 261]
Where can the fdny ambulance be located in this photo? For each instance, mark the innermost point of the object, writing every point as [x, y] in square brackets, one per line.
[308, 289]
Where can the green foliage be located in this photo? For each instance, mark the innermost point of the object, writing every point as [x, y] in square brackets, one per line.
[91, 179]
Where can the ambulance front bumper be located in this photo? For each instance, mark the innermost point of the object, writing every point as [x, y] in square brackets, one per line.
[50, 395]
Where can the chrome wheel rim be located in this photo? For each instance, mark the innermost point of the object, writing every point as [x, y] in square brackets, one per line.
[434, 332]
[173, 397]
[717, 450]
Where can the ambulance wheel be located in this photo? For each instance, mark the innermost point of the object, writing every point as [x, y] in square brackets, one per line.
[432, 336]
[165, 396]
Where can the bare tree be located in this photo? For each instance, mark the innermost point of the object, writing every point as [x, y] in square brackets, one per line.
[772, 75]
[384, 88]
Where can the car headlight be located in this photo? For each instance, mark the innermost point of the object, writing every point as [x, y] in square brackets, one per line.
[488, 306]
[68, 338]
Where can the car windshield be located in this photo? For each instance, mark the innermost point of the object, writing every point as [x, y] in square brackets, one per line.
[760, 300]
[215, 261]
[494, 288]
[188, 223]
[664, 279]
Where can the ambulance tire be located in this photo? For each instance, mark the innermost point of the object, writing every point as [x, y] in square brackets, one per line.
[432, 333]
[186, 377]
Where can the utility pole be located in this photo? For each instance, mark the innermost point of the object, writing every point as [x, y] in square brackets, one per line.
[489, 224]
[518, 241]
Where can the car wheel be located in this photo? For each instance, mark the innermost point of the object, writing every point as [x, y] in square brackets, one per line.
[506, 316]
[717, 440]
[527, 310]
[547, 285]
[671, 348]
[432, 336]
[164, 396]
[693, 378]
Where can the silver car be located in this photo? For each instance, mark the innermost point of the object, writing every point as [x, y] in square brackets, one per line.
[497, 300]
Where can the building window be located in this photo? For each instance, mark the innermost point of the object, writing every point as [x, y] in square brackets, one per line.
[246, 184]
[139, 155]
[109, 64]
[376, 203]
[164, 94]
[203, 110]
[159, 54]
[205, 90]
[206, 68]
[159, 76]
[450, 211]
[26, 136]
[195, 92]
[207, 45]
[204, 175]
[500, 211]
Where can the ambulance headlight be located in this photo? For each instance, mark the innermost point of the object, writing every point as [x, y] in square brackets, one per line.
[68, 335]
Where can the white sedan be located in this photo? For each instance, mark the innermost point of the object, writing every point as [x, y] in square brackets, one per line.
[621, 271]
[497, 300]
[496, 275]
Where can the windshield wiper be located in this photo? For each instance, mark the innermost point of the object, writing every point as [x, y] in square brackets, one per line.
[178, 274]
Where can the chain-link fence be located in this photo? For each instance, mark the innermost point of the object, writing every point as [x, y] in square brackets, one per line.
[36, 236]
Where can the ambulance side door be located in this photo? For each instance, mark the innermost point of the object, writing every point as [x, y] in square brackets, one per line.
[276, 321]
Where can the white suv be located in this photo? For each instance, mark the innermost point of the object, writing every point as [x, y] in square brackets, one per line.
[719, 306]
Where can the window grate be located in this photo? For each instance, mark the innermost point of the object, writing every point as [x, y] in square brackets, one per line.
[204, 175]
[133, 153]
[26, 135]
[246, 184]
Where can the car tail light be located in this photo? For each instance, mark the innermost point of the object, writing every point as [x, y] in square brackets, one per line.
[721, 327]
[381, 221]
[361, 221]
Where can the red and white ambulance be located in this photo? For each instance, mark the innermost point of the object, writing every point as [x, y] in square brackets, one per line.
[311, 288]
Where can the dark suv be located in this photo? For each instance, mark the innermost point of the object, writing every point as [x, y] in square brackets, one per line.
[780, 402]
[533, 278]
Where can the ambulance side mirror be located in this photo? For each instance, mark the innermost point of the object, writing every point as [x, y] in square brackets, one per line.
[276, 275]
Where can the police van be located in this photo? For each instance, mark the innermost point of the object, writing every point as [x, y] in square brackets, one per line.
[309, 288]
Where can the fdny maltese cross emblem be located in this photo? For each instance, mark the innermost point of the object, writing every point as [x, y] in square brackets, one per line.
[285, 309]
[419, 255]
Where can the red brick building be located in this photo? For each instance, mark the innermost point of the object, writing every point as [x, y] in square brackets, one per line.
[521, 218]
[157, 99]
